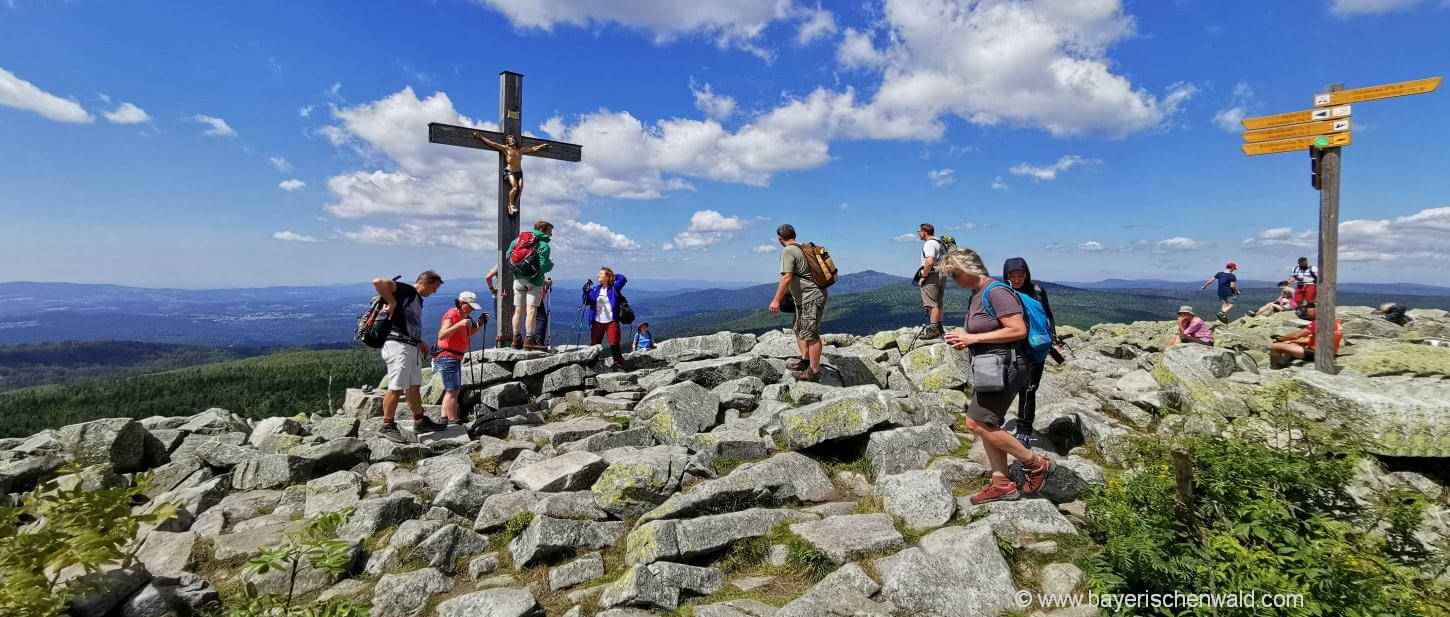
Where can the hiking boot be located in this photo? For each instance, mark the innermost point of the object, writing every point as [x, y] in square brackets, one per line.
[534, 344]
[796, 364]
[518, 342]
[455, 423]
[1036, 474]
[931, 331]
[391, 433]
[1003, 490]
[1024, 436]
[1223, 317]
[806, 375]
[426, 425]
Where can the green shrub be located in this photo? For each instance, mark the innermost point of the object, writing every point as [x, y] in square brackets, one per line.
[317, 545]
[57, 528]
[1262, 521]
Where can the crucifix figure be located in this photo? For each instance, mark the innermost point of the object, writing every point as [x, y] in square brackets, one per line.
[512, 146]
[513, 162]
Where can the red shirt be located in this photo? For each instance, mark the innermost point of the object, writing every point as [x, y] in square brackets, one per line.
[457, 343]
[1338, 335]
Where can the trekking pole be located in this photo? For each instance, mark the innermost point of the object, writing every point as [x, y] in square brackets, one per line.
[919, 330]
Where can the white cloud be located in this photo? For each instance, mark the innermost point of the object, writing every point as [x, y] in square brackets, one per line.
[592, 237]
[717, 106]
[906, 238]
[844, 206]
[292, 236]
[1091, 246]
[280, 163]
[857, 50]
[218, 126]
[1422, 236]
[998, 184]
[305, 112]
[23, 95]
[1041, 64]
[334, 92]
[941, 177]
[816, 23]
[126, 113]
[1041, 173]
[764, 248]
[707, 228]
[736, 24]
[1177, 244]
[1231, 118]
[1346, 8]
[291, 185]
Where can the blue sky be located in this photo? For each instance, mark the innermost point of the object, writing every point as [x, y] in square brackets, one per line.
[259, 143]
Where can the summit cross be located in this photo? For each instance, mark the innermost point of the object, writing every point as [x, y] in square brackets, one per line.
[512, 146]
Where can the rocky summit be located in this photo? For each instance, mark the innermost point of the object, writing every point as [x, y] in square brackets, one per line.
[708, 480]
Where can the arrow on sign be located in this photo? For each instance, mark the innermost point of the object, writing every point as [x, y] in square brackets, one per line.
[1297, 143]
[1297, 130]
[1296, 117]
[1374, 93]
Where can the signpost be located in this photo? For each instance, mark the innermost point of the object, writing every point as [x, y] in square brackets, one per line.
[1323, 131]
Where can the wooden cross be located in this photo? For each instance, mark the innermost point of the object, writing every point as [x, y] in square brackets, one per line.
[510, 121]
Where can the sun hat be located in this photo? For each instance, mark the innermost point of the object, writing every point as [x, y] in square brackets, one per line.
[1186, 309]
[470, 299]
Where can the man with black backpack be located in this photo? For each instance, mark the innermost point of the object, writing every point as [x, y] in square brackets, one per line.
[530, 262]
[403, 350]
[809, 297]
[928, 278]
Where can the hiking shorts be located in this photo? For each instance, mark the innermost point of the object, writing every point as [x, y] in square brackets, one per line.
[990, 408]
[452, 371]
[526, 293]
[932, 291]
[808, 312]
[1227, 298]
[1305, 293]
[404, 368]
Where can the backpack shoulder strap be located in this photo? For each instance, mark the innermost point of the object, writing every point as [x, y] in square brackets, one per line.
[987, 297]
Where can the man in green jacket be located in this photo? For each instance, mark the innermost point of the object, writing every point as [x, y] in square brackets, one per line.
[529, 293]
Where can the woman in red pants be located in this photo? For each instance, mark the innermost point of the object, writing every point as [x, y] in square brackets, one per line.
[602, 300]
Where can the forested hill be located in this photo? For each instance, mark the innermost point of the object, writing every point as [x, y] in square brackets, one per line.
[280, 384]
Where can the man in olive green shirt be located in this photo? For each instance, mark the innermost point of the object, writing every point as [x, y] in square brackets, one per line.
[810, 304]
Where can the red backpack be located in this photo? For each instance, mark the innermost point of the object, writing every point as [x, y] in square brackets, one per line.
[524, 259]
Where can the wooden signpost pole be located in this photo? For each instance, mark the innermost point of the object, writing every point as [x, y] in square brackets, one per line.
[1326, 300]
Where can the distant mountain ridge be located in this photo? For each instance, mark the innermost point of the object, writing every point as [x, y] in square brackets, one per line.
[1413, 289]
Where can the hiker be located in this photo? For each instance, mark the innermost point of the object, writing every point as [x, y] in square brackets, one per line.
[810, 304]
[602, 300]
[488, 279]
[643, 340]
[1285, 302]
[404, 350]
[928, 278]
[1306, 281]
[1191, 329]
[529, 290]
[999, 372]
[453, 335]
[1394, 313]
[1300, 343]
[1228, 287]
[1019, 276]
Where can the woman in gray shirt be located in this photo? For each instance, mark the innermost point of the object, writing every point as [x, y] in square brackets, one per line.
[995, 334]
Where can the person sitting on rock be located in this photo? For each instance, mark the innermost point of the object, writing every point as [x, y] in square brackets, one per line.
[1394, 313]
[643, 339]
[995, 333]
[1191, 329]
[1300, 343]
[1284, 303]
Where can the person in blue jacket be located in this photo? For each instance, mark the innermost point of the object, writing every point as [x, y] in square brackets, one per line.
[643, 339]
[602, 301]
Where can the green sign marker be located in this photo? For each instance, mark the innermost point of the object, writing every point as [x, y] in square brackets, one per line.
[1320, 142]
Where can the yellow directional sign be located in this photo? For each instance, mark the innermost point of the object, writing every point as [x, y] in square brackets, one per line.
[1296, 144]
[1297, 130]
[1296, 117]
[1372, 93]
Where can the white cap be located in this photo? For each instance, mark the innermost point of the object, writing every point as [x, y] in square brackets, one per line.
[470, 299]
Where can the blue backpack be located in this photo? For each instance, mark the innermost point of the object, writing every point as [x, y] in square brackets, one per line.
[1039, 328]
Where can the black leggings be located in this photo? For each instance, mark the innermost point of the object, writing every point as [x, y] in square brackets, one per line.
[1027, 402]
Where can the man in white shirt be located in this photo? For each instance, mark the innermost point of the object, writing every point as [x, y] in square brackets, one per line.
[929, 280]
[1306, 282]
